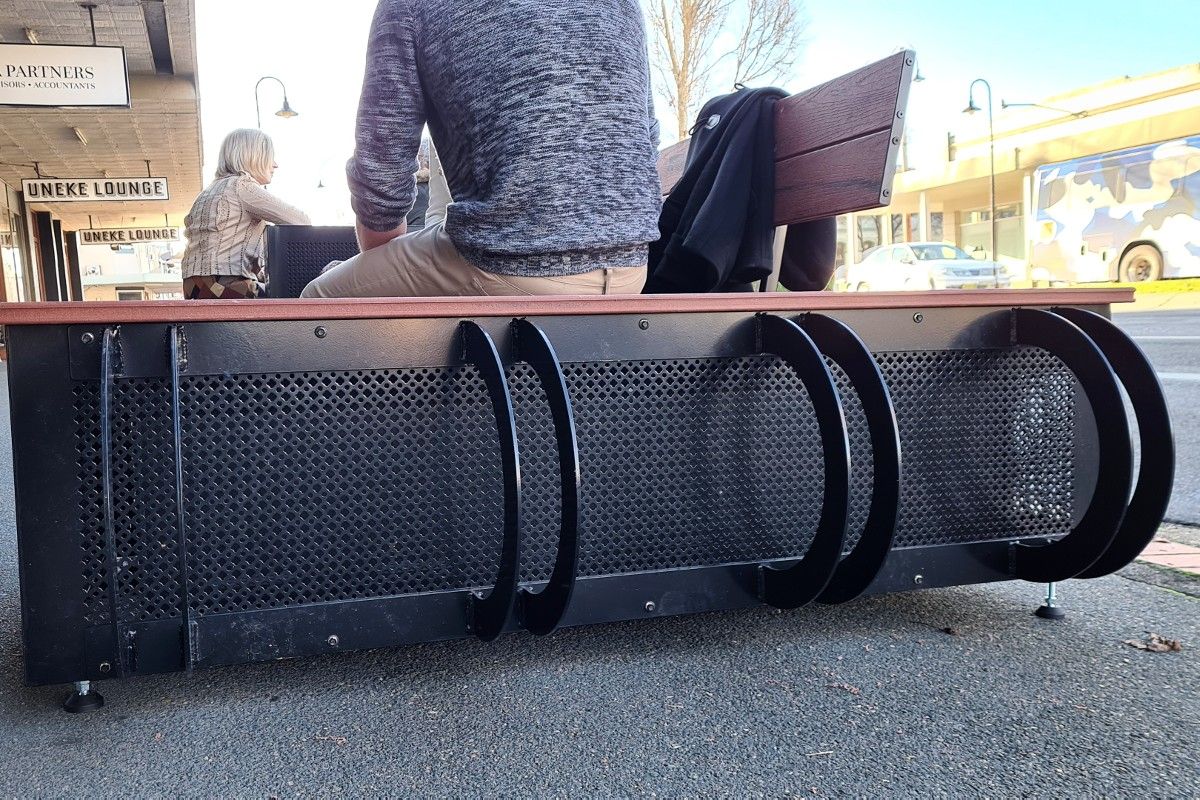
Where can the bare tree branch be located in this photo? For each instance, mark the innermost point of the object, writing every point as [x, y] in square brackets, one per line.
[768, 45]
[684, 34]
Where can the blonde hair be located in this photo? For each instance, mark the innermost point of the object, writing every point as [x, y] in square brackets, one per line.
[246, 151]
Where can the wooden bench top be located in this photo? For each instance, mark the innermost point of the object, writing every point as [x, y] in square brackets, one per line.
[166, 311]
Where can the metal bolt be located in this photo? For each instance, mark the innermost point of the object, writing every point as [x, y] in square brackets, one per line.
[644, 324]
[650, 607]
[88, 338]
[899, 115]
[918, 317]
[105, 667]
[333, 641]
[918, 579]
[908, 61]
[320, 332]
[887, 192]
[895, 140]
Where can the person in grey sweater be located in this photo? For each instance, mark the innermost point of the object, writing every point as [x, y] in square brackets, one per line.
[542, 115]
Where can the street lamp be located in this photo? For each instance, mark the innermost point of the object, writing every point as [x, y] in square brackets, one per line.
[971, 109]
[286, 111]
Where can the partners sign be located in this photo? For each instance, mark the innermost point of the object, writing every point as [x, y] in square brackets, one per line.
[91, 190]
[128, 235]
[58, 75]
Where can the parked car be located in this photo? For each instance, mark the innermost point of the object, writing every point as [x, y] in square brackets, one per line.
[924, 265]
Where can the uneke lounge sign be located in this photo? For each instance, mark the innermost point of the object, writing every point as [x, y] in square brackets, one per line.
[61, 75]
[90, 190]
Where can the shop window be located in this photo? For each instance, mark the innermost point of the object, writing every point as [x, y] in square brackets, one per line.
[869, 233]
[131, 293]
[936, 227]
[897, 227]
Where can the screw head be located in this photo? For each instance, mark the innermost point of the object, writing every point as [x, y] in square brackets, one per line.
[320, 332]
[644, 324]
[918, 317]
[899, 115]
[105, 667]
[88, 338]
[333, 641]
[651, 607]
[918, 579]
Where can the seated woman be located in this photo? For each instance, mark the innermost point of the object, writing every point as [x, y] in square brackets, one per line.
[227, 225]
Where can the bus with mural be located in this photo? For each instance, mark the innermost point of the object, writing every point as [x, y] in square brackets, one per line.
[1129, 215]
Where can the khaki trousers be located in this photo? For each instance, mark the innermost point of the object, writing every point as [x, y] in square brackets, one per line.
[427, 264]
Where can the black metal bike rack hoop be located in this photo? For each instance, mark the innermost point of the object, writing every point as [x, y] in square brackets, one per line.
[188, 631]
[489, 613]
[802, 582]
[1087, 542]
[108, 357]
[1156, 473]
[540, 612]
[858, 568]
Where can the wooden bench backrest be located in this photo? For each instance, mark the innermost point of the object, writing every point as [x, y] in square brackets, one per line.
[835, 144]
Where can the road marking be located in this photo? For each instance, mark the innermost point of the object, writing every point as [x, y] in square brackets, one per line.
[1166, 338]
[1193, 377]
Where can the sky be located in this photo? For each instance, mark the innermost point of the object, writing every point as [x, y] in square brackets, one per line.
[1026, 49]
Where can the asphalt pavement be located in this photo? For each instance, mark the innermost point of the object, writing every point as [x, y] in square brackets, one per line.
[937, 693]
[1171, 340]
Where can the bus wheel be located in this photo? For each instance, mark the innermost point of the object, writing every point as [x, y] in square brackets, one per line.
[1141, 263]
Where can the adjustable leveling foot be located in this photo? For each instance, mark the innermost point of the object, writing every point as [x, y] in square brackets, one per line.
[1049, 610]
[83, 699]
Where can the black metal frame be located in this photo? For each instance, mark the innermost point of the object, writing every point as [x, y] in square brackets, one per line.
[48, 362]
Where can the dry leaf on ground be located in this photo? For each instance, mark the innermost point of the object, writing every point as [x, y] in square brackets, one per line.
[1155, 643]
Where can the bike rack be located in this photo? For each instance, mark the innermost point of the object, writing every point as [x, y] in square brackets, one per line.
[804, 581]
[858, 568]
[488, 613]
[540, 612]
[1156, 473]
[1087, 542]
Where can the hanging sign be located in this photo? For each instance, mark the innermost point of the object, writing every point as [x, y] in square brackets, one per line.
[90, 190]
[129, 235]
[58, 75]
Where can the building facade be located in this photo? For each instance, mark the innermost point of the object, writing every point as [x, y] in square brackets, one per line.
[949, 200]
[157, 135]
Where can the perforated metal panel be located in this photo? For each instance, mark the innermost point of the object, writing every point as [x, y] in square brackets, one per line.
[143, 501]
[316, 487]
[988, 444]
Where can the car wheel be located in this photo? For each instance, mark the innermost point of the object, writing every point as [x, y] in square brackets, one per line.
[863, 287]
[1141, 264]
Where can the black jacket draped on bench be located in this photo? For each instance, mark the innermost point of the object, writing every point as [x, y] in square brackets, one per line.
[717, 225]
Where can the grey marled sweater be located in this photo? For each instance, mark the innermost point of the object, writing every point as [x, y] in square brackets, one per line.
[542, 114]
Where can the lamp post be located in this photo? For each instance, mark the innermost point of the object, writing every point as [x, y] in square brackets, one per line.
[286, 111]
[971, 109]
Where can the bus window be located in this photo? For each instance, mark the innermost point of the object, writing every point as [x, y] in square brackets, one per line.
[1052, 193]
[1189, 186]
[1114, 178]
[1138, 175]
